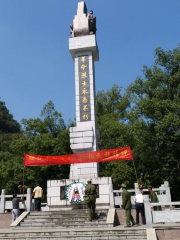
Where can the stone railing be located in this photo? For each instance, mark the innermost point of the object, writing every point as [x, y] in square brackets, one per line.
[167, 215]
[27, 204]
[163, 194]
[6, 204]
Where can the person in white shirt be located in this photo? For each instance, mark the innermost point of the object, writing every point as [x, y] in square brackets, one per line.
[38, 195]
[139, 201]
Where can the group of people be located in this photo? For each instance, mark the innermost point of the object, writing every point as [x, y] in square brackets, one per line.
[37, 194]
[90, 200]
[139, 202]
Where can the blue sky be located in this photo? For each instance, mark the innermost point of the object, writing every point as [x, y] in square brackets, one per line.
[35, 63]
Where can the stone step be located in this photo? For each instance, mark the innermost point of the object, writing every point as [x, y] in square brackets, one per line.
[68, 212]
[60, 222]
[62, 216]
[95, 237]
[82, 231]
[64, 226]
[72, 225]
[32, 218]
[77, 234]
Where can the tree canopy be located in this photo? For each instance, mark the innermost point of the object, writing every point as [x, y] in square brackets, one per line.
[46, 135]
[7, 123]
[156, 105]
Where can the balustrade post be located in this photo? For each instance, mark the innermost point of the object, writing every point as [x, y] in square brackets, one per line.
[2, 203]
[111, 197]
[28, 200]
[148, 213]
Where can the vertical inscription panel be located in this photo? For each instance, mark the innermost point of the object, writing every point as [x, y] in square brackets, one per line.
[84, 89]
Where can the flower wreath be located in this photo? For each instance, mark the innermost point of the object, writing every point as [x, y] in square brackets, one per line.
[75, 192]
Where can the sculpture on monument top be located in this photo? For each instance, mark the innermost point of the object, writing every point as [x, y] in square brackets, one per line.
[83, 24]
[92, 23]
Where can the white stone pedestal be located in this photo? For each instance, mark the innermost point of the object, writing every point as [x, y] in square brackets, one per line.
[55, 203]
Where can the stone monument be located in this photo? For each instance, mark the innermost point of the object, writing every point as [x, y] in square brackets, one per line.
[84, 51]
[84, 137]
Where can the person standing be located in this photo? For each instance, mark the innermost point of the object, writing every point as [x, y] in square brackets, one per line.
[15, 206]
[153, 198]
[139, 201]
[38, 195]
[126, 202]
[142, 182]
[90, 199]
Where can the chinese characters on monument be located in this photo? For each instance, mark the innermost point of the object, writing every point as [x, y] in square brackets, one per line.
[84, 89]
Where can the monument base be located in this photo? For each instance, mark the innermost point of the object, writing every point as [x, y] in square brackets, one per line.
[56, 193]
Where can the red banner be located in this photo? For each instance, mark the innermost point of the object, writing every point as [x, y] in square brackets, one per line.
[117, 154]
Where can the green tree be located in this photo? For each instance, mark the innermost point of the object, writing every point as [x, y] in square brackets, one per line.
[46, 135]
[112, 108]
[7, 123]
[9, 131]
[156, 99]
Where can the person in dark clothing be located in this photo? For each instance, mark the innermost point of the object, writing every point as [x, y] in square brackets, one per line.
[142, 182]
[139, 201]
[90, 199]
[15, 205]
[126, 202]
[153, 198]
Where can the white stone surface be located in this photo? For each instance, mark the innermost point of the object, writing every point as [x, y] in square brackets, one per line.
[77, 119]
[81, 140]
[57, 202]
[166, 216]
[69, 181]
[102, 180]
[81, 129]
[48, 183]
[103, 189]
[53, 192]
[19, 219]
[92, 117]
[75, 172]
[84, 44]
[77, 134]
[57, 183]
[85, 171]
[85, 165]
[77, 101]
[87, 134]
[111, 216]
[81, 146]
[151, 234]
[103, 199]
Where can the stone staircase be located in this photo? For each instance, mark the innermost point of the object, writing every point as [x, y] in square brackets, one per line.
[63, 219]
[72, 225]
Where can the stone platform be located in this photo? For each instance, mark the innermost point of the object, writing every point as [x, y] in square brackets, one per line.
[55, 202]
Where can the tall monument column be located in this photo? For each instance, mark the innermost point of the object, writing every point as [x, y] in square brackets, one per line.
[83, 137]
[84, 51]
